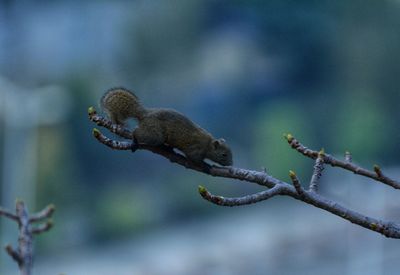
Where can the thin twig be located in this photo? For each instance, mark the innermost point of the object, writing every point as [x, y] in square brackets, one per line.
[42, 228]
[6, 213]
[113, 144]
[317, 172]
[249, 199]
[296, 183]
[13, 254]
[114, 128]
[47, 212]
[378, 171]
[328, 159]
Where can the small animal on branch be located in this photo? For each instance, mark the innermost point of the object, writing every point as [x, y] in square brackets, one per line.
[275, 187]
[159, 126]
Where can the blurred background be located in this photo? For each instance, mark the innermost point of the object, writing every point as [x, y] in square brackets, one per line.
[248, 71]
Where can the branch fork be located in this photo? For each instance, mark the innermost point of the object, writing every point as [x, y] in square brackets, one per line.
[274, 186]
[23, 255]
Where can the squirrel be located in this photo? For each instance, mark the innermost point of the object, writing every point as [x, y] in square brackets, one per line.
[159, 126]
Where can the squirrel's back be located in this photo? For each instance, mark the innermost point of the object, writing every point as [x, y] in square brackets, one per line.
[178, 130]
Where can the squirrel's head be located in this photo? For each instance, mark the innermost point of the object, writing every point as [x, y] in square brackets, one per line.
[220, 152]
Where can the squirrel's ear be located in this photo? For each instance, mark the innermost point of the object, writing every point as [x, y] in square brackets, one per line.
[216, 143]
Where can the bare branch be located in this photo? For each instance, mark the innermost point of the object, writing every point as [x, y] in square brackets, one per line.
[24, 255]
[296, 183]
[378, 171]
[114, 128]
[44, 214]
[113, 144]
[276, 187]
[317, 173]
[328, 159]
[249, 199]
[25, 239]
[165, 151]
[387, 228]
[6, 213]
[14, 254]
[42, 228]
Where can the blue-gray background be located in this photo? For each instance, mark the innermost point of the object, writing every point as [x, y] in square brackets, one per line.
[248, 71]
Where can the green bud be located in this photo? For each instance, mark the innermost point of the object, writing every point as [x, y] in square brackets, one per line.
[202, 190]
[91, 110]
[96, 132]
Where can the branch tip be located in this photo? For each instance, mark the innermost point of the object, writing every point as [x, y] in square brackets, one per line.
[296, 182]
[96, 132]
[91, 111]
[49, 210]
[19, 201]
[14, 254]
[43, 227]
[288, 137]
[8, 214]
[378, 170]
[52, 207]
[347, 156]
[202, 190]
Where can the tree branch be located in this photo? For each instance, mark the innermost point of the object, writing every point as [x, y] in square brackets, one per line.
[317, 173]
[114, 128]
[249, 199]
[6, 213]
[276, 186]
[42, 227]
[24, 254]
[347, 164]
[47, 212]
[165, 151]
[296, 183]
[13, 254]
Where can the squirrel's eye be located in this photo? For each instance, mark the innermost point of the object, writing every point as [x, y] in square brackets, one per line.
[224, 154]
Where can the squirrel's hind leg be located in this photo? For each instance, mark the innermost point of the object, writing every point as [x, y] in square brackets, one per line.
[148, 135]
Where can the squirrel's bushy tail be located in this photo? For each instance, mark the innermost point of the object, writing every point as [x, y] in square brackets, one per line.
[121, 104]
